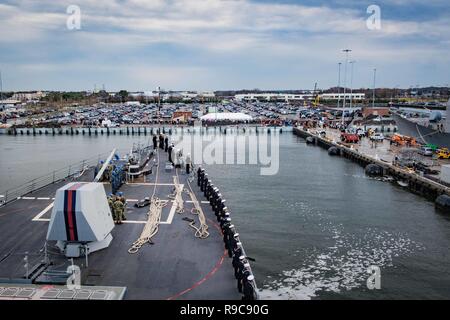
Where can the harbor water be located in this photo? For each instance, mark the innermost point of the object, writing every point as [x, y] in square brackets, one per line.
[313, 228]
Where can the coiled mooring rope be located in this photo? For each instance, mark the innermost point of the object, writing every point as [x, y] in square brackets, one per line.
[202, 231]
[152, 225]
[154, 218]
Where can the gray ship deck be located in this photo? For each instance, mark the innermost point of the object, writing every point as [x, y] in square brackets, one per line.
[176, 266]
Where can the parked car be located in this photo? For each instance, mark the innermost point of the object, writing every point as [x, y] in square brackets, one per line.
[349, 137]
[443, 153]
[426, 151]
[377, 137]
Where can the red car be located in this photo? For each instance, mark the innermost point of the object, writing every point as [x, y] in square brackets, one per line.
[349, 137]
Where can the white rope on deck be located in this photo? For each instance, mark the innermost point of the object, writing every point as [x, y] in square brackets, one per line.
[177, 195]
[152, 225]
[202, 231]
[154, 218]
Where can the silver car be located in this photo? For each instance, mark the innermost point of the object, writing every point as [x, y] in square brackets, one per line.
[426, 151]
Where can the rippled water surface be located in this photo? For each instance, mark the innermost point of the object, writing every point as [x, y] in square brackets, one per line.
[313, 228]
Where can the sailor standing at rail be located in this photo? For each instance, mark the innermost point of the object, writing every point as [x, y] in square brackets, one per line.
[233, 241]
[243, 271]
[170, 150]
[178, 158]
[155, 142]
[200, 173]
[213, 197]
[208, 189]
[204, 182]
[223, 218]
[229, 239]
[173, 156]
[166, 143]
[249, 287]
[217, 204]
[161, 141]
[221, 209]
[225, 228]
[237, 254]
[224, 223]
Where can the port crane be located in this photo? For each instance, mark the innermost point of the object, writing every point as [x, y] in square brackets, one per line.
[316, 97]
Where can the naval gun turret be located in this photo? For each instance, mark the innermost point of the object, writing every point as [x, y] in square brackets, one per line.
[81, 220]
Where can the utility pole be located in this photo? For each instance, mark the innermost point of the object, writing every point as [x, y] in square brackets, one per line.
[374, 81]
[339, 84]
[1, 86]
[345, 80]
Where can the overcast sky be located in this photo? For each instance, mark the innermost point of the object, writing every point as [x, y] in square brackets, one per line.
[221, 44]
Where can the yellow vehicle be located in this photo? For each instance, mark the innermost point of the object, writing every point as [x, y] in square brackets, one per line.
[443, 153]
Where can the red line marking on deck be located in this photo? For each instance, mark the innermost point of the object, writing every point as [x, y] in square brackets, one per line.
[209, 275]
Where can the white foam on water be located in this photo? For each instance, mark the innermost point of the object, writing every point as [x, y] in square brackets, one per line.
[342, 266]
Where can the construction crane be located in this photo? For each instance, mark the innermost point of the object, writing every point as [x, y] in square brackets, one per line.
[316, 97]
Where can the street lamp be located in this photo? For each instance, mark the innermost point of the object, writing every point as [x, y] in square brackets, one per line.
[339, 85]
[345, 80]
[374, 81]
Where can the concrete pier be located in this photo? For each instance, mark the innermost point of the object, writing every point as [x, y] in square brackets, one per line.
[143, 130]
[418, 184]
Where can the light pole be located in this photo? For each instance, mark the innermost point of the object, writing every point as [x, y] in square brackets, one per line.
[351, 84]
[345, 81]
[1, 87]
[339, 84]
[374, 81]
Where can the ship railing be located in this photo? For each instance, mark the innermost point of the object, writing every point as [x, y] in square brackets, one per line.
[73, 171]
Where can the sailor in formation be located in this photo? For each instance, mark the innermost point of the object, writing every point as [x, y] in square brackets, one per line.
[242, 271]
[188, 163]
[161, 141]
[169, 151]
[155, 142]
[166, 143]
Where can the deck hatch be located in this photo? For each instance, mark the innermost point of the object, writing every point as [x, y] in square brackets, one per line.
[9, 292]
[26, 293]
[51, 294]
[66, 294]
[83, 295]
[99, 295]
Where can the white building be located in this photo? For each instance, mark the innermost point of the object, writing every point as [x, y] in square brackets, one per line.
[232, 116]
[272, 96]
[296, 97]
[27, 96]
[337, 96]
